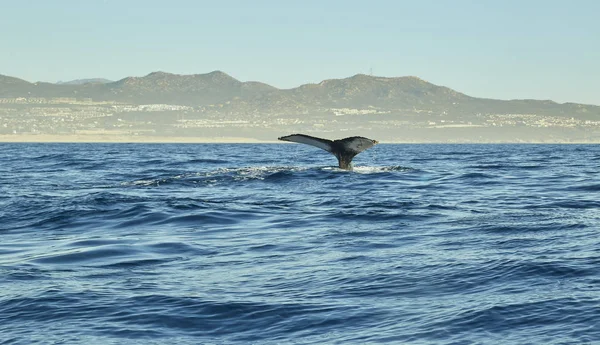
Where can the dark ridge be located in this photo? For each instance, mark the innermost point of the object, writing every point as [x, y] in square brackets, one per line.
[221, 91]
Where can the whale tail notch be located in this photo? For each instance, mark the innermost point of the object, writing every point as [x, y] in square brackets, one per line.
[343, 149]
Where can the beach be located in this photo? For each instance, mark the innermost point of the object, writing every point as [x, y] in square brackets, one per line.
[119, 138]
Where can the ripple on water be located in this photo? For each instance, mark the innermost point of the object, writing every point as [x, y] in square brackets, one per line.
[444, 244]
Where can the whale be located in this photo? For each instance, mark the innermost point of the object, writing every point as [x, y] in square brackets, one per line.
[343, 149]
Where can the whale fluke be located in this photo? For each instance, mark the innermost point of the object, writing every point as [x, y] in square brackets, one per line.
[344, 149]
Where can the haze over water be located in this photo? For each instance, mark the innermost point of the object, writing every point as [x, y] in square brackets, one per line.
[270, 243]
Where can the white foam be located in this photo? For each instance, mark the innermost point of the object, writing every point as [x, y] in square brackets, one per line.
[375, 170]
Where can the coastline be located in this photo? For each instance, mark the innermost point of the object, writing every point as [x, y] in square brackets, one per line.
[98, 138]
[141, 139]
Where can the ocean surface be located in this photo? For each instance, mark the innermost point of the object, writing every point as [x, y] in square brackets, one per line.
[272, 244]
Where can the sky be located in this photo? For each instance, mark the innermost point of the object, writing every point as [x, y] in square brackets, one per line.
[527, 49]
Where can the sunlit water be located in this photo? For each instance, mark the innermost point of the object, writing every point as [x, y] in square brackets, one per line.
[271, 244]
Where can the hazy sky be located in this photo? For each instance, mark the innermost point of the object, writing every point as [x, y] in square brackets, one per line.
[542, 49]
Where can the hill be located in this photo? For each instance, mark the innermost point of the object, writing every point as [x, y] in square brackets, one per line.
[218, 88]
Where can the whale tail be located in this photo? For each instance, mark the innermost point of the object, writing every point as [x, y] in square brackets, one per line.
[343, 149]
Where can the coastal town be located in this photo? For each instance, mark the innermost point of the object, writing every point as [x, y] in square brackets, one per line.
[64, 116]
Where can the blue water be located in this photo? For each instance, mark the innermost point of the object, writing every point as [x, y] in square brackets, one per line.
[271, 244]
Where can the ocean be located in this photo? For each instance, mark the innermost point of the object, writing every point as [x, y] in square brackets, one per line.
[272, 244]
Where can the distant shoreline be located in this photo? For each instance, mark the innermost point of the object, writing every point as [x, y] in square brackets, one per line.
[94, 138]
[124, 139]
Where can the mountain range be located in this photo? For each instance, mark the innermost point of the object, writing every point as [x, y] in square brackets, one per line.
[218, 89]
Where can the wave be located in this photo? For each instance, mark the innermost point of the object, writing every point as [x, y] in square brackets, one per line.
[263, 173]
[202, 318]
[201, 244]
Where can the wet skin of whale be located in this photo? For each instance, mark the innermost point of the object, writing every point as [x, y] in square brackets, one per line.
[343, 149]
